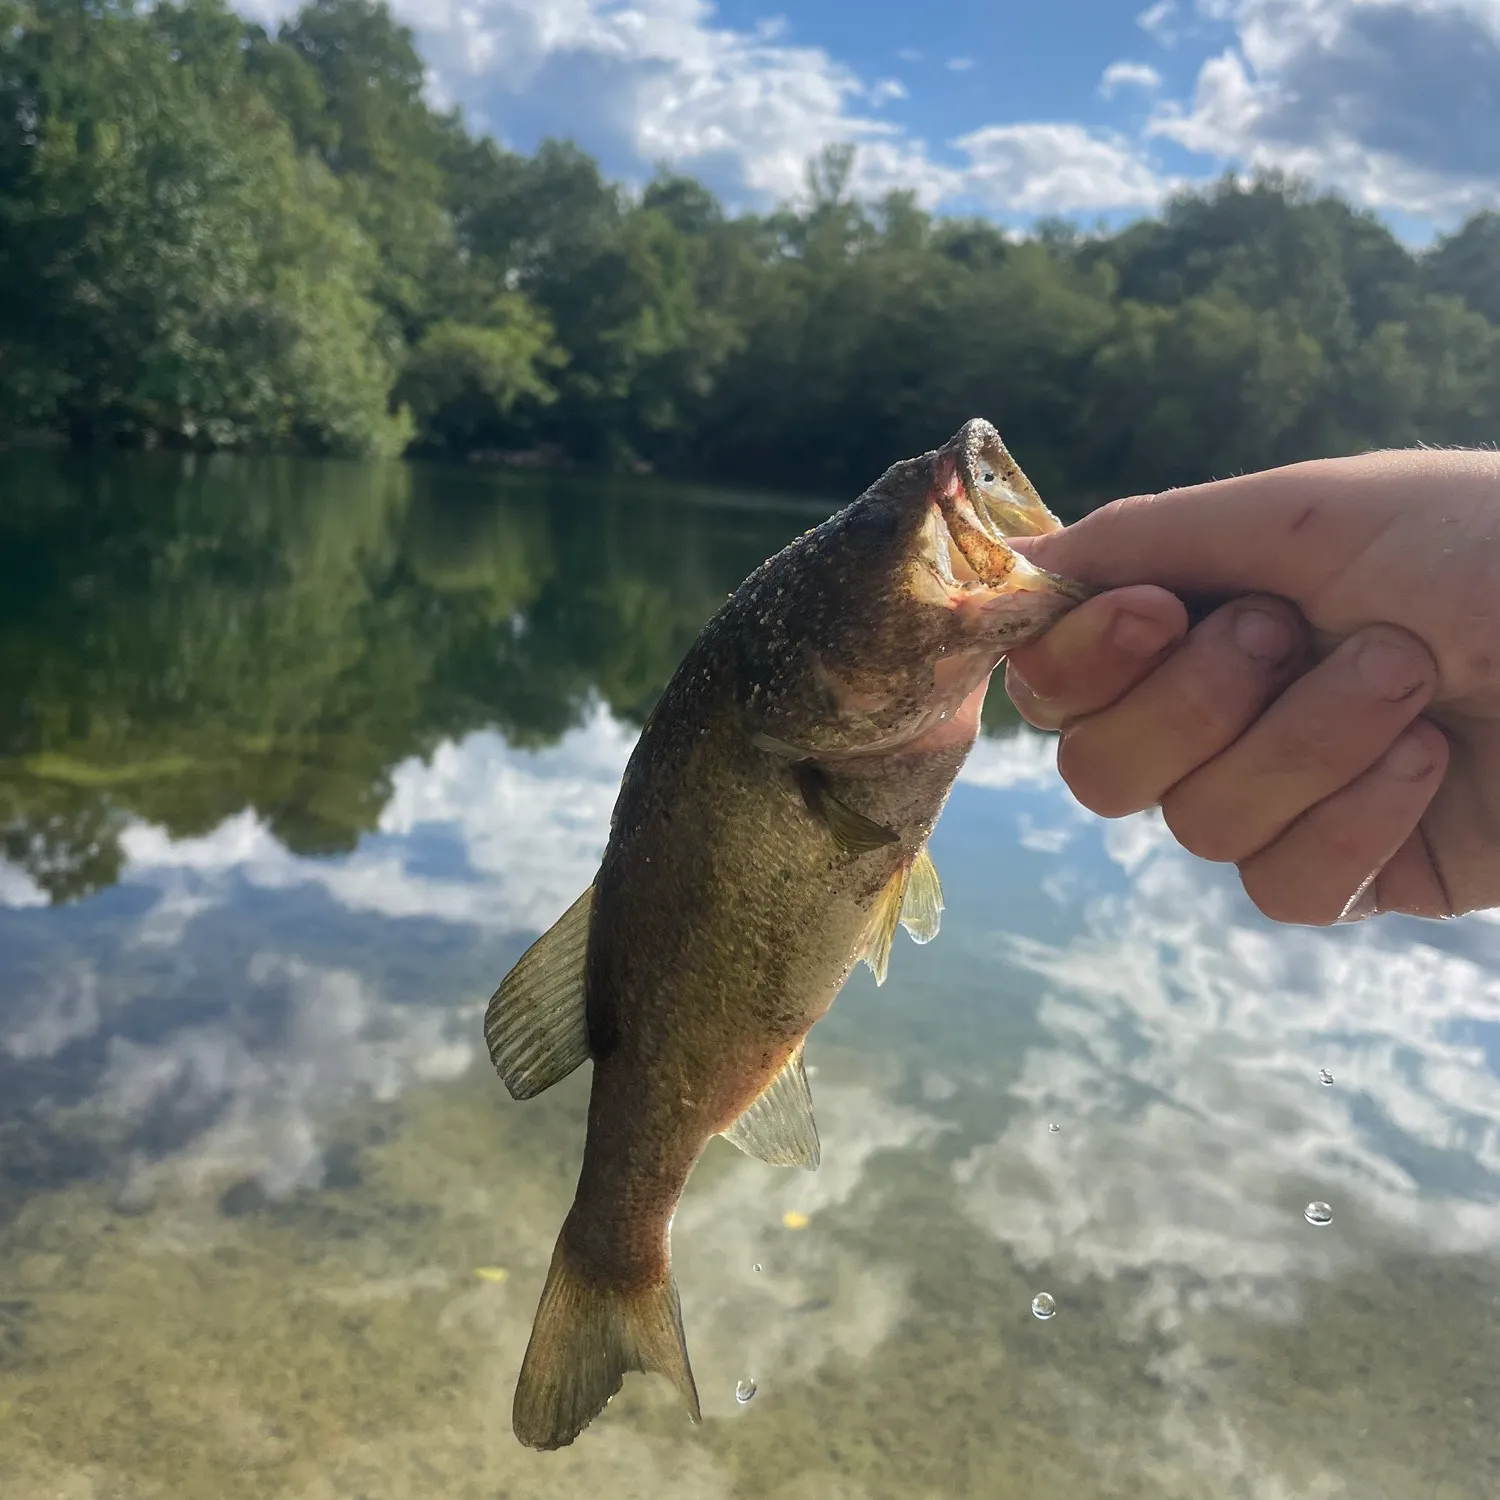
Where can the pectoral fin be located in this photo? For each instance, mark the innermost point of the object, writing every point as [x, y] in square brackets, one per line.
[922, 907]
[874, 943]
[535, 1026]
[772, 746]
[779, 1127]
[852, 832]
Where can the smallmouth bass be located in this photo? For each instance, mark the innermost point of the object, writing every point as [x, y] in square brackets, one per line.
[769, 834]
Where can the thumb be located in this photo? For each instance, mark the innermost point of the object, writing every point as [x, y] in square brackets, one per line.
[1231, 536]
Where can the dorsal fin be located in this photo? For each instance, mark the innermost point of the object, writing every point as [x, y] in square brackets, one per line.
[535, 1026]
[779, 1127]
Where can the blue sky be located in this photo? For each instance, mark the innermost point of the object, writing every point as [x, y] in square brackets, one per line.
[1081, 107]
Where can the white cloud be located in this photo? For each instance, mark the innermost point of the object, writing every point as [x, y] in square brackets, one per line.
[1128, 75]
[339, 1039]
[1394, 102]
[1022, 759]
[664, 80]
[1182, 1041]
[1058, 168]
[1158, 21]
[1187, 1039]
[64, 1008]
[531, 828]
[722, 1232]
[668, 82]
[17, 888]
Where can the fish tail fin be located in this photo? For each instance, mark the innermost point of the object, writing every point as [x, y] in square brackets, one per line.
[586, 1336]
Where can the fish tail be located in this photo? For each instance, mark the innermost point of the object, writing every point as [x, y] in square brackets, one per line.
[586, 1336]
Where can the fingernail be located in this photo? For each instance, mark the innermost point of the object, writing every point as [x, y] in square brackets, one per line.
[1410, 758]
[1015, 677]
[1390, 670]
[1263, 636]
[1137, 635]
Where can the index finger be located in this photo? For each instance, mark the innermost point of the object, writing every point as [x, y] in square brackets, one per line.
[1291, 531]
[1093, 655]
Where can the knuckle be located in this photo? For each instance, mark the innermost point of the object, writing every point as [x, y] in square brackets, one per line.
[1087, 775]
[1223, 682]
[1210, 707]
[1267, 889]
[1199, 831]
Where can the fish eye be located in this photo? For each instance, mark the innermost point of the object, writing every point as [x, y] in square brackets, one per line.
[987, 476]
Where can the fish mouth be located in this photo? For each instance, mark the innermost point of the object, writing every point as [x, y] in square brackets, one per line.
[998, 492]
[979, 497]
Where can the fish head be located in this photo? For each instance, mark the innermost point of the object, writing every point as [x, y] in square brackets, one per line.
[976, 497]
[889, 618]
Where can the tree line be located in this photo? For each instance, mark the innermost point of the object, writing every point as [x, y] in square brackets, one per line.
[216, 237]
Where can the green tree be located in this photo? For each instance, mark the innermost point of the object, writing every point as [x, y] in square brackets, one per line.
[171, 269]
[1466, 265]
[214, 236]
[462, 380]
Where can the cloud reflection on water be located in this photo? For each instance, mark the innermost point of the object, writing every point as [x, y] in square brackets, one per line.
[1174, 1035]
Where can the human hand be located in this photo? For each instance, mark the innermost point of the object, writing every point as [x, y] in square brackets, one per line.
[1343, 753]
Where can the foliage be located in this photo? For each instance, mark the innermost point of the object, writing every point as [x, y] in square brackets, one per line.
[212, 236]
[462, 381]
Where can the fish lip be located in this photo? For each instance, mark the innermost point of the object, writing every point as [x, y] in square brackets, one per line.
[1017, 509]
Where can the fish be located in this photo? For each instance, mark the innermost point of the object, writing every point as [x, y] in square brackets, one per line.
[770, 833]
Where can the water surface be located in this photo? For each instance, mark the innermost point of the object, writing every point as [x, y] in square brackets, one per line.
[296, 758]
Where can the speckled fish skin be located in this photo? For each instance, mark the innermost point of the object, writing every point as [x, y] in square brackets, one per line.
[848, 671]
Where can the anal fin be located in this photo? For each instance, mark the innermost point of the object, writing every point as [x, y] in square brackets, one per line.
[922, 906]
[779, 1127]
[535, 1026]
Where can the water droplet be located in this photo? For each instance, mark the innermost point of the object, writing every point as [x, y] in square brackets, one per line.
[1325, 1078]
[1043, 1305]
[1318, 1213]
[744, 1390]
[756, 1266]
[1053, 1129]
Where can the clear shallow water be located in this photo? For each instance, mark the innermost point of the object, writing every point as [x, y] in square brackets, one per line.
[295, 759]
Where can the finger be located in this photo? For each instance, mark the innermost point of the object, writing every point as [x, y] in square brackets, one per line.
[1409, 882]
[1324, 730]
[1287, 531]
[1330, 863]
[1093, 654]
[1195, 704]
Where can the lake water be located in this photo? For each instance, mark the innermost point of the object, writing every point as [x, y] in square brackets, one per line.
[295, 759]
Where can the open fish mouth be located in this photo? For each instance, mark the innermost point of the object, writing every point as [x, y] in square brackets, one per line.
[978, 500]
